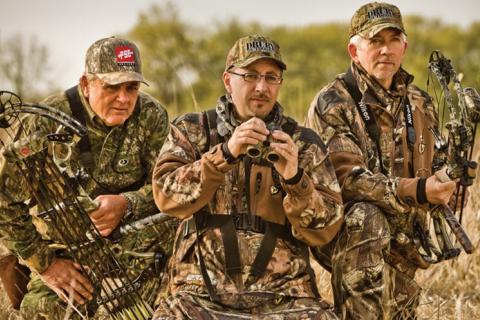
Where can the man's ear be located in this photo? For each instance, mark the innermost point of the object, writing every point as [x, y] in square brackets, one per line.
[405, 48]
[84, 85]
[352, 51]
[226, 82]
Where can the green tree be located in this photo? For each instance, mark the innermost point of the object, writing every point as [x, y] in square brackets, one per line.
[25, 66]
[184, 62]
[168, 55]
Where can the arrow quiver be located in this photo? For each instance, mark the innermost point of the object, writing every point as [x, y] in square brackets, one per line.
[463, 111]
[41, 161]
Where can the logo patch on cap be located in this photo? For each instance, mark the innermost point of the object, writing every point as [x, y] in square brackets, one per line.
[260, 46]
[125, 56]
[380, 13]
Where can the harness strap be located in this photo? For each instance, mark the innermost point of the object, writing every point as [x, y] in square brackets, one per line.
[240, 221]
[85, 147]
[203, 268]
[211, 127]
[75, 103]
[365, 113]
[369, 118]
[265, 252]
[228, 224]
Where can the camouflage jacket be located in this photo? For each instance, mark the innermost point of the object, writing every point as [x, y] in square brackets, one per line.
[333, 114]
[191, 175]
[123, 155]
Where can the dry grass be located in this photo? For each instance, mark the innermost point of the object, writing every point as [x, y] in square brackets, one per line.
[451, 290]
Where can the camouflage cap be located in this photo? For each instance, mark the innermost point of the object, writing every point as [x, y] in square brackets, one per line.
[372, 18]
[252, 48]
[114, 61]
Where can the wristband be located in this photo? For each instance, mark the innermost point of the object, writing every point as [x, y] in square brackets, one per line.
[296, 178]
[228, 155]
[421, 191]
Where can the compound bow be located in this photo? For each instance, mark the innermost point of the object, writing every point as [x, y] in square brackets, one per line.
[64, 205]
[464, 115]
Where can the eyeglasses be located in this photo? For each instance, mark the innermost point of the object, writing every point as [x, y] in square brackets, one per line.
[255, 77]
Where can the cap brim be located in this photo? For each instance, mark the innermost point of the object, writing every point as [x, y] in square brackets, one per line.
[248, 62]
[114, 78]
[369, 33]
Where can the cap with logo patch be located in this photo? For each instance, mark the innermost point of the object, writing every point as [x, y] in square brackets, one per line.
[114, 61]
[372, 18]
[251, 48]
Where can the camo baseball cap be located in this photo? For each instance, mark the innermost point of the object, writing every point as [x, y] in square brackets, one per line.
[251, 48]
[372, 18]
[114, 61]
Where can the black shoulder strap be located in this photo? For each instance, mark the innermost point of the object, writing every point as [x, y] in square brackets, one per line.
[408, 114]
[365, 113]
[75, 103]
[210, 126]
[290, 126]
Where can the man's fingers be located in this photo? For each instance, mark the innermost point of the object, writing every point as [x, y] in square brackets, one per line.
[251, 135]
[282, 136]
[83, 281]
[82, 288]
[105, 232]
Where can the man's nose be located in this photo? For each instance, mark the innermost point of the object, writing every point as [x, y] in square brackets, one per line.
[386, 49]
[261, 84]
[122, 95]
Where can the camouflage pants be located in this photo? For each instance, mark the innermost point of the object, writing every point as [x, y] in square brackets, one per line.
[365, 285]
[185, 305]
[132, 251]
[41, 303]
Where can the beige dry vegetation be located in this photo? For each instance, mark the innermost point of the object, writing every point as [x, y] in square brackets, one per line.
[451, 290]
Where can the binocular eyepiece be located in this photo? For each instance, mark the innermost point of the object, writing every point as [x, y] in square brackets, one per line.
[262, 149]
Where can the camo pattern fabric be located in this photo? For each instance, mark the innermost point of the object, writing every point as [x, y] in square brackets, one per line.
[375, 257]
[124, 157]
[190, 175]
[186, 305]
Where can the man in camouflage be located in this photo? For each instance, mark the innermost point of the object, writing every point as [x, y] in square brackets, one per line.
[379, 127]
[126, 129]
[241, 250]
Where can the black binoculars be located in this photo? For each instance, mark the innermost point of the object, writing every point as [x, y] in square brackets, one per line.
[262, 149]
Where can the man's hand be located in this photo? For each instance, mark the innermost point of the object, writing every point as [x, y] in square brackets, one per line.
[64, 277]
[109, 213]
[287, 165]
[248, 133]
[439, 192]
[458, 200]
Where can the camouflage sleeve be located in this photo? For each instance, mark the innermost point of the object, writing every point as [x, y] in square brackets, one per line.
[334, 119]
[17, 230]
[156, 127]
[313, 204]
[184, 180]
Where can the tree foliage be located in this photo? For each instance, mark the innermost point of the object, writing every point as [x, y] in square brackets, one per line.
[184, 62]
[24, 66]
